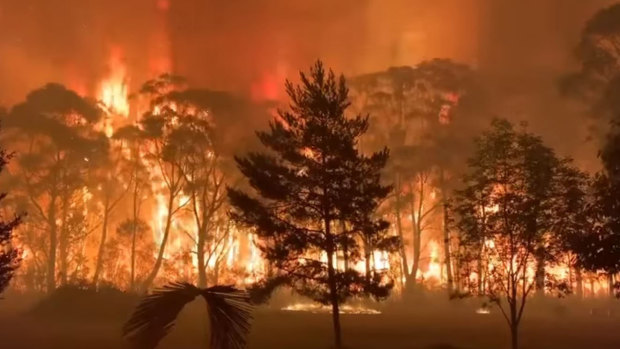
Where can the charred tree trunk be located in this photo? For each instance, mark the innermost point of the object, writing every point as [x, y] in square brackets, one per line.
[480, 269]
[51, 262]
[104, 236]
[399, 228]
[417, 241]
[202, 267]
[446, 235]
[514, 317]
[345, 246]
[63, 241]
[514, 336]
[162, 247]
[333, 290]
[133, 257]
[367, 258]
[579, 282]
[540, 274]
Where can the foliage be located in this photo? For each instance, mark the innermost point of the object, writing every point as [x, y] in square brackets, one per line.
[598, 53]
[229, 315]
[57, 149]
[9, 255]
[599, 249]
[423, 114]
[508, 217]
[312, 178]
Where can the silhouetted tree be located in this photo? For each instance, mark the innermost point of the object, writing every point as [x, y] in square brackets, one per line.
[506, 216]
[312, 180]
[421, 114]
[598, 53]
[228, 308]
[131, 140]
[9, 255]
[157, 131]
[199, 163]
[599, 249]
[134, 229]
[113, 180]
[53, 129]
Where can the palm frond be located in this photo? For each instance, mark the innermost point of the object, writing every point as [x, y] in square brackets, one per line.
[155, 315]
[229, 316]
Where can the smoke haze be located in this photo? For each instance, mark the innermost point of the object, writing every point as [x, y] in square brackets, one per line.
[250, 47]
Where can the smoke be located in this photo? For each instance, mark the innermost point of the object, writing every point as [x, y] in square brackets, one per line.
[525, 46]
[520, 46]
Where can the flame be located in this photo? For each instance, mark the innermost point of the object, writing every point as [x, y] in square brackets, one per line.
[434, 266]
[344, 309]
[113, 90]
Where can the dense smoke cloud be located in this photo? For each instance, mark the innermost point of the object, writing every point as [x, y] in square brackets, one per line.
[223, 44]
[249, 47]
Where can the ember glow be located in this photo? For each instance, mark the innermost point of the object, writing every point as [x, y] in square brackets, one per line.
[322, 309]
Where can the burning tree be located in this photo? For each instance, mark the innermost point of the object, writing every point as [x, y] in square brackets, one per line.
[176, 138]
[415, 112]
[313, 178]
[157, 129]
[134, 228]
[507, 216]
[58, 145]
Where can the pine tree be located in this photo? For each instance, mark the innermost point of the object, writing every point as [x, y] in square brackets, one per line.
[317, 196]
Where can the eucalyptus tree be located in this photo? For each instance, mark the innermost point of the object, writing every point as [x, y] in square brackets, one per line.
[54, 132]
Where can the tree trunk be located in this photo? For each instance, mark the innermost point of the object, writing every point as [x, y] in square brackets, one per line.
[202, 268]
[610, 281]
[514, 320]
[416, 230]
[104, 236]
[133, 255]
[367, 257]
[514, 336]
[63, 241]
[540, 276]
[334, 300]
[216, 272]
[162, 247]
[333, 291]
[446, 236]
[480, 272]
[345, 247]
[51, 262]
[399, 228]
[579, 282]
[417, 250]
[134, 228]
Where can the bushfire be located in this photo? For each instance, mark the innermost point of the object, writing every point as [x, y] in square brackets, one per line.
[161, 228]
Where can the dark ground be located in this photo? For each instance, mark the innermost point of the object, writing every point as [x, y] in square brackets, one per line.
[426, 323]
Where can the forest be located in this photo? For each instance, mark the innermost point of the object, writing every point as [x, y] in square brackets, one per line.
[408, 206]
